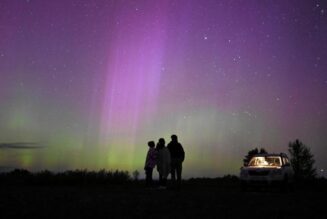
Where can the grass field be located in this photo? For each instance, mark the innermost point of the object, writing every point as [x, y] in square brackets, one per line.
[196, 199]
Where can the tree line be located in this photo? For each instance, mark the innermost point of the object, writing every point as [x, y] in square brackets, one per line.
[71, 177]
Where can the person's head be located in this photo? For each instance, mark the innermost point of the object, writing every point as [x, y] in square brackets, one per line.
[162, 141]
[174, 138]
[151, 144]
[161, 144]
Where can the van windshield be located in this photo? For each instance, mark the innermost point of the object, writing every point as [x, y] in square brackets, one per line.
[268, 161]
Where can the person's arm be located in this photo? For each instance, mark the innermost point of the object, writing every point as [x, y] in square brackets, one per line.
[183, 153]
[147, 160]
[154, 157]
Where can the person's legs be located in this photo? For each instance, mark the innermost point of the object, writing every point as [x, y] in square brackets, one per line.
[160, 179]
[148, 173]
[164, 182]
[179, 171]
[173, 170]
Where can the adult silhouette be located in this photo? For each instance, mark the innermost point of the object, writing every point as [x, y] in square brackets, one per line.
[150, 163]
[163, 162]
[177, 157]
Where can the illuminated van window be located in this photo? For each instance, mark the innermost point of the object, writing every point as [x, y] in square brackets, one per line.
[265, 161]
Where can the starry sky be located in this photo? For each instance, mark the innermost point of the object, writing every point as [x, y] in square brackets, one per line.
[86, 84]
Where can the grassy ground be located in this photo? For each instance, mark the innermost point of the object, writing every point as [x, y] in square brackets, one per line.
[196, 199]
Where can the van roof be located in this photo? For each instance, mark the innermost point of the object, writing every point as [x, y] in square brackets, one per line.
[267, 155]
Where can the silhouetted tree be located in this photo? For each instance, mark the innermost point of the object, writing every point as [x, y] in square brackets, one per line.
[251, 153]
[136, 175]
[302, 160]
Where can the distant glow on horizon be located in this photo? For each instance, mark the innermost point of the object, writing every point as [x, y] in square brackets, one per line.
[93, 82]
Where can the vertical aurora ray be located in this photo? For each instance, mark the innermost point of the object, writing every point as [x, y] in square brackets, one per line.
[133, 79]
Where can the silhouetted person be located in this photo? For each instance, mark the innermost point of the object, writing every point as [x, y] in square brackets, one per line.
[163, 163]
[150, 163]
[177, 157]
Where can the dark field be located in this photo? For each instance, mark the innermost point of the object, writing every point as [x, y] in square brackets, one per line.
[197, 199]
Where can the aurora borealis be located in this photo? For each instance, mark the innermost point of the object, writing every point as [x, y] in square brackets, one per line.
[88, 83]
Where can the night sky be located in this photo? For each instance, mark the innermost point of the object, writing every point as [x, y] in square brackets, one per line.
[86, 84]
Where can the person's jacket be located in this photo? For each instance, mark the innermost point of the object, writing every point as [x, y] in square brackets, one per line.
[176, 150]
